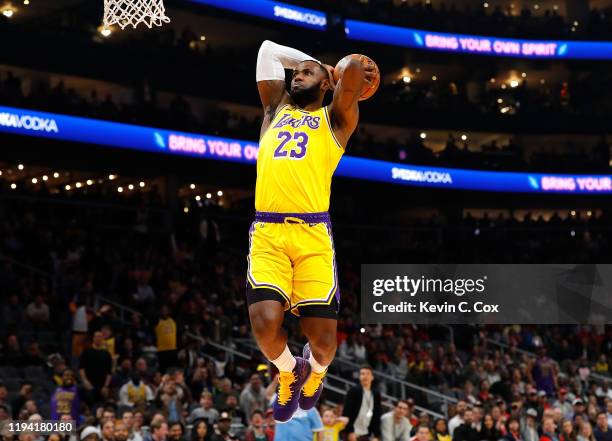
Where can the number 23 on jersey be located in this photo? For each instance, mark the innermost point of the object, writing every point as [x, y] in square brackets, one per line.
[291, 146]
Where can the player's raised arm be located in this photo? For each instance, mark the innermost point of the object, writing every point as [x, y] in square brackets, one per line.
[345, 108]
[272, 61]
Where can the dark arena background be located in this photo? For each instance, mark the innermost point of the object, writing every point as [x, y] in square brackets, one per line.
[127, 176]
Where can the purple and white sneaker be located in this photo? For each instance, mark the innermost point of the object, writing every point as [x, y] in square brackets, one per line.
[312, 389]
[288, 391]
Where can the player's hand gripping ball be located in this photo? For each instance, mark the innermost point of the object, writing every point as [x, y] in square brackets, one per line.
[372, 74]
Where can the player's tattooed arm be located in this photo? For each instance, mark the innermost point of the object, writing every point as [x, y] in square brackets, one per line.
[345, 108]
[273, 95]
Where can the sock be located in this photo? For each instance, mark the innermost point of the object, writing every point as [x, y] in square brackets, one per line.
[316, 367]
[285, 362]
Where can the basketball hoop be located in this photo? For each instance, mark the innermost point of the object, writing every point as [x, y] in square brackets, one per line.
[133, 12]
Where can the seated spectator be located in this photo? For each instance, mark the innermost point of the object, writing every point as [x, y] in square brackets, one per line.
[123, 373]
[4, 399]
[253, 396]
[107, 429]
[548, 430]
[90, 433]
[205, 410]
[514, 430]
[488, 431]
[12, 312]
[564, 403]
[121, 432]
[33, 356]
[530, 430]
[176, 431]
[129, 421]
[223, 389]
[256, 430]
[38, 311]
[465, 431]
[422, 433]
[105, 414]
[200, 431]
[223, 432]
[567, 431]
[159, 430]
[12, 353]
[586, 432]
[135, 394]
[25, 394]
[5, 412]
[440, 430]
[394, 426]
[457, 420]
[233, 409]
[602, 432]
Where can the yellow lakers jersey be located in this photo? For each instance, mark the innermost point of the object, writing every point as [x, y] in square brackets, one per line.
[297, 157]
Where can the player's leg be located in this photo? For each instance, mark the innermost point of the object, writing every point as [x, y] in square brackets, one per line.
[319, 324]
[321, 335]
[269, 291]
[267, 324]
[316, 297]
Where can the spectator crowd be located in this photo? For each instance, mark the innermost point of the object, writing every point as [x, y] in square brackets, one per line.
[134, 336]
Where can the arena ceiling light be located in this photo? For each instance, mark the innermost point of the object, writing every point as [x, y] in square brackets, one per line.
[8, 10]
[105, 31]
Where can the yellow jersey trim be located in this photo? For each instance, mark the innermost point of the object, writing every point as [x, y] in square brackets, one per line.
[331, 129]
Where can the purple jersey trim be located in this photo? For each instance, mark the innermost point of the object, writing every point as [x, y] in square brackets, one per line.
[281, 218]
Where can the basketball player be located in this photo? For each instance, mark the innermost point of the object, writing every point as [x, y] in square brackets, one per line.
[291, 262]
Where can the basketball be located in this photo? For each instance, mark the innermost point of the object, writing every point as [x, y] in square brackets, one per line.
[368, 89]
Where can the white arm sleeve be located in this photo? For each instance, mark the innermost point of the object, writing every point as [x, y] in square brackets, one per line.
[273, 59]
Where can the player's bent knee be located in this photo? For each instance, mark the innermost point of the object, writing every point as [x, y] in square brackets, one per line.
[325, 345]
[266, 319]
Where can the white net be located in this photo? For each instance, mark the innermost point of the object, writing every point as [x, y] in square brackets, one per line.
[133, 12]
